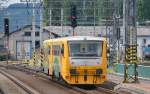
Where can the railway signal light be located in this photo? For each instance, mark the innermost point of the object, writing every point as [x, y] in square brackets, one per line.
[73, 16]
[6, 26]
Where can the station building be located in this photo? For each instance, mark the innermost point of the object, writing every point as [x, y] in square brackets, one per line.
[20, 41]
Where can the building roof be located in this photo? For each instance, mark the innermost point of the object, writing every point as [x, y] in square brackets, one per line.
[18, 30]
[55, 34]
[36, 26]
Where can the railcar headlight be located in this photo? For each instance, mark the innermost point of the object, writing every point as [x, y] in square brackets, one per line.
[73, 71]
[98, 71]
[72, 62]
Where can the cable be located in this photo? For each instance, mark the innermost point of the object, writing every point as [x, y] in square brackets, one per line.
[27, 7]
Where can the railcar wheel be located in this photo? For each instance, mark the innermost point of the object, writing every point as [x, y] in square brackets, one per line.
[53, 75]
[43, 69]
[60, 77]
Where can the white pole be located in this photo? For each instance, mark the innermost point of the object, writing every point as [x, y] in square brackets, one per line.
[33, 26]
[62, 21]
[94, 21]
[50, 21]
[41, 27]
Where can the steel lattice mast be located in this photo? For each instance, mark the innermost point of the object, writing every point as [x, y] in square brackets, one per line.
[130, 30]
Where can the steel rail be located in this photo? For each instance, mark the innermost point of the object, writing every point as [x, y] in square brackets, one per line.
[20, 84]
[105, 90]
[79, 90]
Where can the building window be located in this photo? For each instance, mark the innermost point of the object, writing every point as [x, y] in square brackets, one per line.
[27, 33]
[18, 54]
[27, 54]
[144, 41]
[37, 44]
[37, 34]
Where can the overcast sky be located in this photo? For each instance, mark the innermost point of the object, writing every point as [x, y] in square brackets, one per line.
[10, 2]
[15, 1]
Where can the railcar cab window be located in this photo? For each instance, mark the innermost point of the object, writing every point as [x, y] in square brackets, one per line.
[62, 50]
[85, 49]
[48, 50]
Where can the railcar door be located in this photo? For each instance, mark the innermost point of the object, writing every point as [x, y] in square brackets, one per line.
[56, 60]
[46, 60]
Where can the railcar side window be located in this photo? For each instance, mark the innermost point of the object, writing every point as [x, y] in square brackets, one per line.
[62, 50]
[56, 50]
[49, 50]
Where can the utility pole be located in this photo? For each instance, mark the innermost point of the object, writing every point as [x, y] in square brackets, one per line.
[125, 18]
[117, 28]
[129, 23]
[33, 26]
[50, 21]
[62, 21]
[41, 33]
[41, 26]
[94, 19]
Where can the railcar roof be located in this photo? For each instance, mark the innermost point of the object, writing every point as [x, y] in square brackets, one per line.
[74, 38]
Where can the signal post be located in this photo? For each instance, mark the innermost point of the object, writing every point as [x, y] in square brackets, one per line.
[6, 32]
[73, 18]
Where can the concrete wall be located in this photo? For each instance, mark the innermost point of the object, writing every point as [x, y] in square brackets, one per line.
[80, 30]
[1, 39]
[143, 71]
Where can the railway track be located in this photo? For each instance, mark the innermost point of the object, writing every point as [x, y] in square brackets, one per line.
[106, 91]
[96, 90]
[20, 84]
[1, 91]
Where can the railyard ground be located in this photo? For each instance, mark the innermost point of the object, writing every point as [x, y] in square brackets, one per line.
[142, 87]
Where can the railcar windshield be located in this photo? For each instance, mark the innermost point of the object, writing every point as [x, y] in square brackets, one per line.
[85, 48]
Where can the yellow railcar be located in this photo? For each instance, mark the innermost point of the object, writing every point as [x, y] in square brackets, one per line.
[76, 59]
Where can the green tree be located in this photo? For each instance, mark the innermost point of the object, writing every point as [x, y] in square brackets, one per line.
[46, 13]
[146, 9]
[140, 10]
